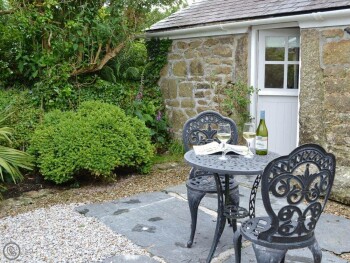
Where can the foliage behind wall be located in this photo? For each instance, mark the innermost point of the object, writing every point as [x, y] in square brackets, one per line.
[55, 55]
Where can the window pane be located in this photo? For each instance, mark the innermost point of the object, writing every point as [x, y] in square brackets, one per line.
[293, 48]
[274, 76]
[293, 77]
[274, 48]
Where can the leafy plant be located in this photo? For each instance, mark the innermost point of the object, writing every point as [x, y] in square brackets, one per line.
[67, 52]
[176, 147]
[157, 50]
[175, 153]
[121, 94]
[151, 114]
[236, 101]
[11, 160]
[24, 117]
[129, 64]
[96, 139]
[141, 99]
[53, 45]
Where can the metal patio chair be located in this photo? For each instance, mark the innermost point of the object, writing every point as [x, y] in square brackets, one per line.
[301, 184]
[200, 130]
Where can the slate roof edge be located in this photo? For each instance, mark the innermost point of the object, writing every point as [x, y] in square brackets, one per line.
[165, 28]
[339, 17]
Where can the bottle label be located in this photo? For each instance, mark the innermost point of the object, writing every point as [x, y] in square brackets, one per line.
[261, 143]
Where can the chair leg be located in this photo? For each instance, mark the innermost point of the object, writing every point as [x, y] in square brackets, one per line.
[194, 198]
[237, 245]
[316, 252]
[268, 255]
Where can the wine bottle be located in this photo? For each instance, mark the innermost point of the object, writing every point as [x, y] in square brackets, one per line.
[261, 140]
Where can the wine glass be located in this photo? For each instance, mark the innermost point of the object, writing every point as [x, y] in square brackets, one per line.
[249, 135]
[224, 135]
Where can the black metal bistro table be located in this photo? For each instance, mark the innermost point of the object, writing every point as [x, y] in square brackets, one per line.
[235, 165]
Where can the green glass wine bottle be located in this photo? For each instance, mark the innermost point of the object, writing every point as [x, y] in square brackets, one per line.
[261, 140]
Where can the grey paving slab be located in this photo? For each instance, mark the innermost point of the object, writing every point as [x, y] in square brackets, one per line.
[210, 200]
[130, 259]
[335, 240]
[180, 189]
[246, 256]
[121, 205]
[160, 223]
[162, 227]
[293, 256]
[246, 180]
[333, 233]
[305, 255]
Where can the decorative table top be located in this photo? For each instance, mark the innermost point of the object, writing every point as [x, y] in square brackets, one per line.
[235, 165]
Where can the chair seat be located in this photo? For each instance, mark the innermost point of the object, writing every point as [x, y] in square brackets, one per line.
[235, 212]
[206, 183]
[251, 229]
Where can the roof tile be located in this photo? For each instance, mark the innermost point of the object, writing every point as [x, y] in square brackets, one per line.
[209, 11]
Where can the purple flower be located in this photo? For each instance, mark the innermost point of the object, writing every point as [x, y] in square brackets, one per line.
[159, 116]
[139, 95]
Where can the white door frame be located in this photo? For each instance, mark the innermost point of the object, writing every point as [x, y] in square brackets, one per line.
[253, 65]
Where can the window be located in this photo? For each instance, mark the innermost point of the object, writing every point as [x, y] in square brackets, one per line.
[280, 59]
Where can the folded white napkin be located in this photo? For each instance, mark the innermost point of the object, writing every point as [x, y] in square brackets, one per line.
[240, 149]
[215, 147]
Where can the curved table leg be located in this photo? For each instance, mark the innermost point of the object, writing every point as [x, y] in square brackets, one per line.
[221, 220]
[253, 194]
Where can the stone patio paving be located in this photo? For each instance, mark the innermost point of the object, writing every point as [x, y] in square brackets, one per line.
[160, 223]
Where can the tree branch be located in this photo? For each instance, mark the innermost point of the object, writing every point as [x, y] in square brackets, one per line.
[6, 12]
[96, 67]
[98, 53]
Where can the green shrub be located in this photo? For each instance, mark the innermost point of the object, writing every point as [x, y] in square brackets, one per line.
[23, 116]
[98, 138]
[120, 94]
[144, 103]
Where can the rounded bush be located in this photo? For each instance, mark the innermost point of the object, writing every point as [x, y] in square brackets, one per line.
[97, 138]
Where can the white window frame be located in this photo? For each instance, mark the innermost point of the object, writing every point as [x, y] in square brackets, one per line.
[262, 62]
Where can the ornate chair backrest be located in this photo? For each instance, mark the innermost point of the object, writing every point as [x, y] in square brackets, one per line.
[202, 129]
[302, 182]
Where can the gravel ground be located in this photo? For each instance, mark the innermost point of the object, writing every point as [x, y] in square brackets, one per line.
[29, 219]
[159, 179]
[58, 234]
[47, 229]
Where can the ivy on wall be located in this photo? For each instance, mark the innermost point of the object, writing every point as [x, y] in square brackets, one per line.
[158, 57]
[157, 51]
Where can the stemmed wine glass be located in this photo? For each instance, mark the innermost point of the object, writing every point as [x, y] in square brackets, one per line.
[224, 135]
[249, 135]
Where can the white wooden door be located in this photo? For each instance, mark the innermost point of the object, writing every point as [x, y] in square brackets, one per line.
[278, 83]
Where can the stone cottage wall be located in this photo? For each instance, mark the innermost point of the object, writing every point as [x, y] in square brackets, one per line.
[325, 98]
[195, 69]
